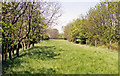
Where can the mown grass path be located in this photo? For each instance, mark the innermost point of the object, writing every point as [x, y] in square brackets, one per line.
[63, 57]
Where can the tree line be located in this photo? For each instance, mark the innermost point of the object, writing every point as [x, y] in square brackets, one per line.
[25, 23]
[99, 27]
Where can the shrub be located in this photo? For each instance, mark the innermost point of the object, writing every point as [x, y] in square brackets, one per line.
[46, 37]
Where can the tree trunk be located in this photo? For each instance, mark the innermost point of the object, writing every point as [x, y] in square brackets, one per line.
[13, 50]
[2, 56]
[17, 53]
[86, 41]
[5, 56]
[10, 57]
[110, 44]
[2, 52]
[29, 45]
[5, 53]
[95, 43]
[33, 44]
[22, 46]
[79, 42]
[25, 45]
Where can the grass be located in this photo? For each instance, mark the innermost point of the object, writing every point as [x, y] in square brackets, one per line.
[63, 57]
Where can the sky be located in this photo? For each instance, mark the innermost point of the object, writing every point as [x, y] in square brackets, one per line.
[72, 9]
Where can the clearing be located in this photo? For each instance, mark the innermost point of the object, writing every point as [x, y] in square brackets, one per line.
[63, 57]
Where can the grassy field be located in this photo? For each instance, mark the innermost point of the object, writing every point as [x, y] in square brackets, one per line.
[63, 57]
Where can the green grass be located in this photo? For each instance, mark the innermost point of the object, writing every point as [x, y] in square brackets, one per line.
[63, 57]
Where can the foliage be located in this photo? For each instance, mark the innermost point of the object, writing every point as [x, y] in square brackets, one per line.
[98, 27]
[60, 35]
[24, 23]
[46, 37]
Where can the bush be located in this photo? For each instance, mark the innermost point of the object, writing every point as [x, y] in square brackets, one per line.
[65, 38]
[46, 37]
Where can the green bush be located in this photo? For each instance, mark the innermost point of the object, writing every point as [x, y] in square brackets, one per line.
[46, 37]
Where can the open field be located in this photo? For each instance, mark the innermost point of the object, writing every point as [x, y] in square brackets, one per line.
[63, 57]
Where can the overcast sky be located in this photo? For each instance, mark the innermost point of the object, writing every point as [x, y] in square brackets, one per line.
[72, 9]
